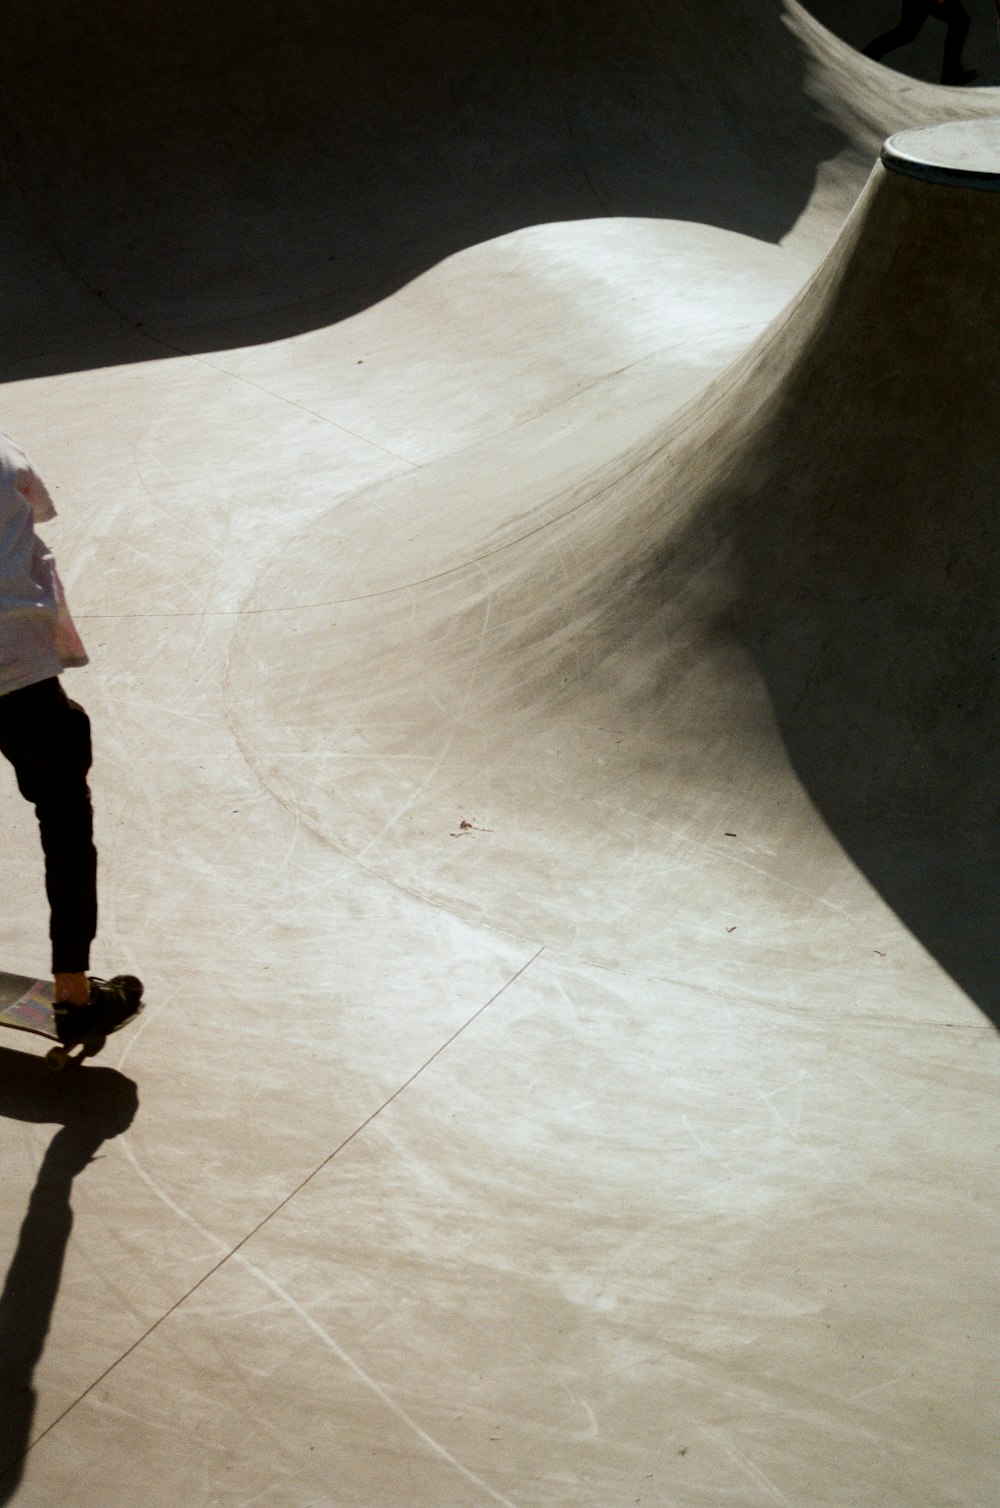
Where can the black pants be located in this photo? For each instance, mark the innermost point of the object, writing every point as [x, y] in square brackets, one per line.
[46, 737]
[912, 17]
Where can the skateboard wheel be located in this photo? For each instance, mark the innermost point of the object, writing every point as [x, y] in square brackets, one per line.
[57, 1058]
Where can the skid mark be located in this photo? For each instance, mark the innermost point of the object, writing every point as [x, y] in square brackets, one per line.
[223, 1254]
[457, 722]
[748, 1469]
[372, 1384]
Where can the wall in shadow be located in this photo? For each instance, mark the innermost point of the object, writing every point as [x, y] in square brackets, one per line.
[230, 173]
[842, 525]
[90, 1106]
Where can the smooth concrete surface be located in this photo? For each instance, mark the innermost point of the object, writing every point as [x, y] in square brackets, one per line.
[963, 154]
[526, 481]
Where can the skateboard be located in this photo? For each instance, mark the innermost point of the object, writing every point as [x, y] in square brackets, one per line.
[26, 1006]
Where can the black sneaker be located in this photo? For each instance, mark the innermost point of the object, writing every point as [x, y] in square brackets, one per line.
[112, 1002]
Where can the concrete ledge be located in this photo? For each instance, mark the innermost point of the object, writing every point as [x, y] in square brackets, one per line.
[959, 154]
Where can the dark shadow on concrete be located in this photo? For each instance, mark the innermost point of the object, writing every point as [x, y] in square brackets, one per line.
[90, 1106]
[871, 585]
[181, 176]
[848, 523]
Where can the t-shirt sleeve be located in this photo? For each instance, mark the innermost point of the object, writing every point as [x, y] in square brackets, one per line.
[31, 487]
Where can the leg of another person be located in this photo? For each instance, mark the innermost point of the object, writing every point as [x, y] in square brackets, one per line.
[955, 16]
[912, 16]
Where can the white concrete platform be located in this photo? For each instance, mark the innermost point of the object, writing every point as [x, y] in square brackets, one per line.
[526, 484]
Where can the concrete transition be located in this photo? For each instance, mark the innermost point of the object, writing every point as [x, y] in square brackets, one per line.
[527, 483]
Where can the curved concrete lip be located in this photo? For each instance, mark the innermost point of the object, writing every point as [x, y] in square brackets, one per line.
[961, 154]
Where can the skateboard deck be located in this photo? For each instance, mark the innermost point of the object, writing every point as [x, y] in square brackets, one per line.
[26, 1006]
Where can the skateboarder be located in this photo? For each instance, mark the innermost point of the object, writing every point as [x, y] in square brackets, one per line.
[913, 14]
[46, 738]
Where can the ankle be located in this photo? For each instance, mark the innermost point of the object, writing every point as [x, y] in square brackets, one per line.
[72, 989]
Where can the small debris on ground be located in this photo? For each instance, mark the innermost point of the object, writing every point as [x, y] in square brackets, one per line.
[465, 828]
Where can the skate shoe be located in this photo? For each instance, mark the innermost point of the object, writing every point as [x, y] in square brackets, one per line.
[112, 1002]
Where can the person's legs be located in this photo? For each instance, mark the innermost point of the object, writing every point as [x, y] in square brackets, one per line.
[953, 14]
[912, 15]
[46, 737]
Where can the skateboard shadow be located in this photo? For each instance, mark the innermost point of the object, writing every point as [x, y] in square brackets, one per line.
[89, 1106]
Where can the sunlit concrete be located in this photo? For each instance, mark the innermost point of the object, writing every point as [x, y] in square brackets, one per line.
[547, 1095]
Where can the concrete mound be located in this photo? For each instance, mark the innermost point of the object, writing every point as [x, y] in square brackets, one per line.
[804, 571]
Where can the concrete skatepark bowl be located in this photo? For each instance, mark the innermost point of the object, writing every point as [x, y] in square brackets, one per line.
[526, 481]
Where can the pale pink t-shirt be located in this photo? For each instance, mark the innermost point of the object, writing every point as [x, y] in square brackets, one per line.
[38, 638]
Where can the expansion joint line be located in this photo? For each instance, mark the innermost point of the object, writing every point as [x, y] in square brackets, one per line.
[235, 1251]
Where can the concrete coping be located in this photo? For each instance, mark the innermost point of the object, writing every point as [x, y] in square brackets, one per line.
[959, 154]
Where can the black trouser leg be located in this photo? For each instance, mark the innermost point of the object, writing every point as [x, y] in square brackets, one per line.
[912, 16]
[955, 16]
[46, 737]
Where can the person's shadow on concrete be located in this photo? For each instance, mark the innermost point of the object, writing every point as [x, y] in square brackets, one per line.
[89, 1106]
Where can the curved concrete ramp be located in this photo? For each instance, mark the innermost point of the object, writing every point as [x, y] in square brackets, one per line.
[783, 608]
[525, 481]
[217, 175]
